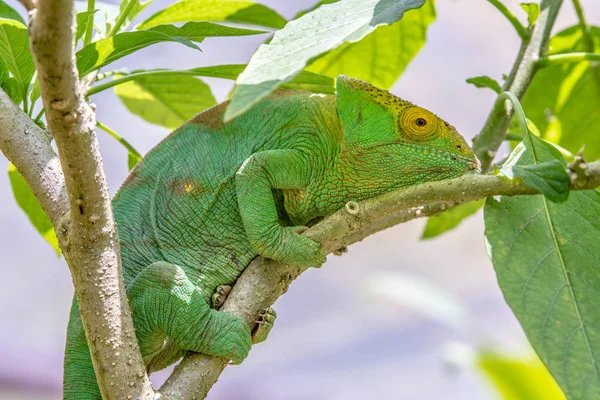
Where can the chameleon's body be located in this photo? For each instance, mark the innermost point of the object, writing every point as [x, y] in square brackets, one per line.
[210, 197]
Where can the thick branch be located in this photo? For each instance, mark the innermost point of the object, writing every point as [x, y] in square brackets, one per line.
[88, 237]
[27, 146]
[492, 134]
[265, 280]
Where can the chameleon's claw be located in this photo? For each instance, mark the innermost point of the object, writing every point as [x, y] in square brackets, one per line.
[264, 324]
[219, 297]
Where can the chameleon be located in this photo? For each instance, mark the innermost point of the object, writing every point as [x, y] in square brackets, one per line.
[212, 196]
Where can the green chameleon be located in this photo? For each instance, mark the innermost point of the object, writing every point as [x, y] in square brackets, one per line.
[209, 198]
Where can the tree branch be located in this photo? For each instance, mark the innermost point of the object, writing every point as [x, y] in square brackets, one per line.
[265, 280]
[28, 4]
[88, 236]
[492, 134]
[28, 148]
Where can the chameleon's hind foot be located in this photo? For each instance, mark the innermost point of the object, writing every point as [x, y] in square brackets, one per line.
[219, 297]
[264, 324]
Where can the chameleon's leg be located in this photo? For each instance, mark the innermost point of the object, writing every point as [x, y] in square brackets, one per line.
[264, 325]
[165, 304]
[261, 172]
[265, 320]
[219, 297]
[79, 381]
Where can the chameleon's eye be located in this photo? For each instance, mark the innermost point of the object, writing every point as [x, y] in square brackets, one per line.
[417, 124]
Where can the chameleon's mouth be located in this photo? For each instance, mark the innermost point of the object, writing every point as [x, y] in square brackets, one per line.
[475, 165]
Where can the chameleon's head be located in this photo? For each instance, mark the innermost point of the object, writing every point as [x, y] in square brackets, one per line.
[398, 139]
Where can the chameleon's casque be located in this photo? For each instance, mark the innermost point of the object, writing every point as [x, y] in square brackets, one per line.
[209, 198]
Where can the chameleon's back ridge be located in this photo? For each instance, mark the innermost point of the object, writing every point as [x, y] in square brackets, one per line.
[211, 196]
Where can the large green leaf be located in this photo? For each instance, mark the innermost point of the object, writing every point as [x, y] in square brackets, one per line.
[14, 50]
[563, 100]
[30, 205]
[519, 379]
[380, 57]
[8, 12]
[450, 219]
[317, 32]
[242, 11]
[546, 256]
[168, 101]
[105, 51]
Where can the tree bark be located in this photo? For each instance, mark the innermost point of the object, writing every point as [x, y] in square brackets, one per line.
[87, 236]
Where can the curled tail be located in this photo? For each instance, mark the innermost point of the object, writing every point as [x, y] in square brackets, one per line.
[79, 380]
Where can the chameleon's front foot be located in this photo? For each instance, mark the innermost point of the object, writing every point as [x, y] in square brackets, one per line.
[291, 247]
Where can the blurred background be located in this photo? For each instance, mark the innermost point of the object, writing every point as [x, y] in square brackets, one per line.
[395, 317]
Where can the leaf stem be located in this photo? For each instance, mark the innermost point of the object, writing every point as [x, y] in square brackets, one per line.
[119, 139]
[521, 30]
[37, 118]
[565, 58]
[519, 113]
[585, 28]
[121, 20]
[89, 29]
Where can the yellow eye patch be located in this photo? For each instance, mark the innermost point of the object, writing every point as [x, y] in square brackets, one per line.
[418, 124]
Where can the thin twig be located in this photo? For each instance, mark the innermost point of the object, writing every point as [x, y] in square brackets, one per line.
[521, 30]
[492, 134]
[565, 58]
[88, 237]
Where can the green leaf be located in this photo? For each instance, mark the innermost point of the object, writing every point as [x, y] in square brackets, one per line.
[546, 259]
[129, 10]
[13, 89]
[14, 50]
[324, 29]
[105, 51]
[532, 10]
[104, 19]
[168, 101]
[242, 11]
[305, 80]
[83, 19]
[450, 219]
[35, 94]
[132, 160]
[8, 12]
[381, 56]
[30, 205]
[3, 71]
[485, 82]
[519, 379]
[550, 178]
[197, 31]
[563, 100]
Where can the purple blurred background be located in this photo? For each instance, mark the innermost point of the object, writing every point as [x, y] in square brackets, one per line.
[337, 336]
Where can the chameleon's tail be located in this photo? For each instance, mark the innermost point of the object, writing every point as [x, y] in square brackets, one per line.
[79, 380]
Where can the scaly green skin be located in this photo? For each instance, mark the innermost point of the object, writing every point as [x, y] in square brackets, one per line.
[209, 198]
